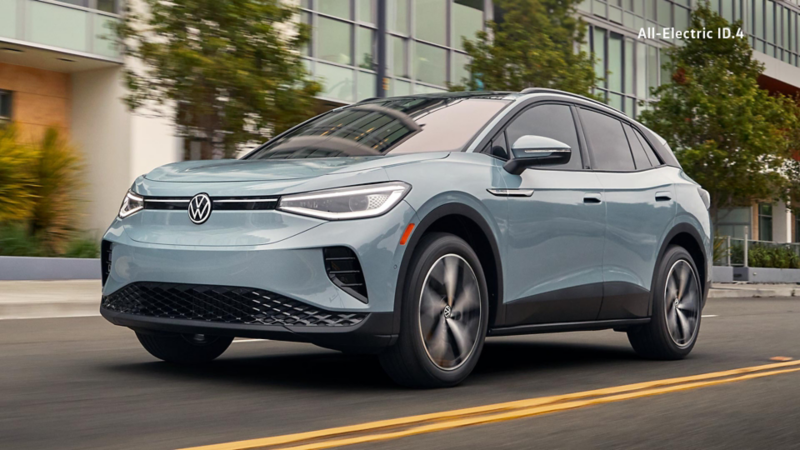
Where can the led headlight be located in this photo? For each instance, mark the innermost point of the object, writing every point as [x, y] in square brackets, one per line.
[354, 202]
[131, 204]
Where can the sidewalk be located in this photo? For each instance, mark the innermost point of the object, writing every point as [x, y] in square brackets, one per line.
[34, 299]
[76, 298]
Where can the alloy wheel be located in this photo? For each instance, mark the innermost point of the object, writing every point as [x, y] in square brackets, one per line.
[682, 303]
[450, 312]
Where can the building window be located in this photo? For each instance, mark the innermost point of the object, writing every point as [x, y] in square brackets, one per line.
[771, 25]
[796, 226]
[764, 222]
[733, 222]
[109, 6]
[425, 51]
[5, 106]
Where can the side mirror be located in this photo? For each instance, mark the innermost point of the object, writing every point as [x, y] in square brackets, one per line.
[537, 151]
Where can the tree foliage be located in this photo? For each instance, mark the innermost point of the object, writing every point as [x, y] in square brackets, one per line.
[535, 43]
[231, 69]
[729, 135]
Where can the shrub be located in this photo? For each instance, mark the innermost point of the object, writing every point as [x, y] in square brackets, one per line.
[778, 257]
[82, 247]
[16, 179]
[39, 187]
[57, 171]
[16, 240]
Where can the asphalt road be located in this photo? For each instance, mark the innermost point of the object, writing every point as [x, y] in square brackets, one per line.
[83, 383]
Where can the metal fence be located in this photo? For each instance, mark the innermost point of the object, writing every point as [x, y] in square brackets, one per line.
[735, 252]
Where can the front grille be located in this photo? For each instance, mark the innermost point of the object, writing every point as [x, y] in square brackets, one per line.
[223, 304]
[344, 270]
[217, 203]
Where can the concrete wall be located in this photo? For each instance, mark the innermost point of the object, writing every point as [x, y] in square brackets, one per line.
[40, 99]
[118, 145]
[101, 129]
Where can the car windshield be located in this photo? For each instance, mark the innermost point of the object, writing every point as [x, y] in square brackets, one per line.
[392, 126]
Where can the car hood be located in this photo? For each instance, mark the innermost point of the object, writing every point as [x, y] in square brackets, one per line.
[231, 170]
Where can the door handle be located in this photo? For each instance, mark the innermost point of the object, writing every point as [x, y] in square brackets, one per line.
[592, 199]
[663, 196]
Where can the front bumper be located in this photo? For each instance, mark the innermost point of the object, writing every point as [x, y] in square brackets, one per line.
[292, 268]
[369, 335]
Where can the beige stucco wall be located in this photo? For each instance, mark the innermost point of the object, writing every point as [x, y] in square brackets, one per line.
[101, 130]
[41, 99]
[118, 145]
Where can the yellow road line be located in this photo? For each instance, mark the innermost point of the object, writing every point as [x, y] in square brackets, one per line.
[517, 406]
[526, 412]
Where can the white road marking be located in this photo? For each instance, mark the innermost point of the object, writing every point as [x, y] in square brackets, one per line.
[710, 315]
[249, 340]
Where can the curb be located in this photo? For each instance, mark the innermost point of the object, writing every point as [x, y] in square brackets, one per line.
[13, 268]
[753, 293]
[24, 310]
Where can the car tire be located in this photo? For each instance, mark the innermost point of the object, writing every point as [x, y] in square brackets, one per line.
[441, 332]
[184, 348]
[677, 309]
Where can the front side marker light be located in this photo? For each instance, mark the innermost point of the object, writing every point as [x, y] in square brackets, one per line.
[355, 202]
[406, 234]
[131, 204]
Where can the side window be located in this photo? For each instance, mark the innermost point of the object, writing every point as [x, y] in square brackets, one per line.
[607, 142]
[639, 155]
[648, 150]
[553, 121]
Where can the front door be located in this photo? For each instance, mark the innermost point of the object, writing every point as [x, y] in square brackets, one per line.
[553, 269]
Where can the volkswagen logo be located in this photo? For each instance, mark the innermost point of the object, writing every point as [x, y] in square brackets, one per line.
[199, 208]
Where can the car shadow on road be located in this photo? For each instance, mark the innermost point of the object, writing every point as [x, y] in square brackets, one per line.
[309, 367]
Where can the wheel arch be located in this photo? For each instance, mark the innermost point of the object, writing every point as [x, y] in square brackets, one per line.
[468, 224]
[687, 237]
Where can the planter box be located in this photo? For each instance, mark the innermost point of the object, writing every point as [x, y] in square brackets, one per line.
[764, 275]
[30, 268]
[722, 274]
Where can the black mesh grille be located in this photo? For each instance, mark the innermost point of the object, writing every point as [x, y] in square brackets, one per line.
[344, 270]
[225, 304]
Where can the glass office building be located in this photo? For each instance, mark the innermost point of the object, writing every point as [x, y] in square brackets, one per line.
[424, 44]
[424, 50]
[632, 66]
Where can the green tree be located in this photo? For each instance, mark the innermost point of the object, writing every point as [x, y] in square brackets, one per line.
[729, 135]
[231, 69]
[532, 44]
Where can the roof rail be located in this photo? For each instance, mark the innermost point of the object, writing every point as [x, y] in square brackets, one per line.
[535, 90]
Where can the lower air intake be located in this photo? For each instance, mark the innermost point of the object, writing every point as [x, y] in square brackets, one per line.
[222, 304]
[344, 270]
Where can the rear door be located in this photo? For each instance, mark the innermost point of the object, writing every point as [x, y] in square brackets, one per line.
[553, 269]
[640, 206]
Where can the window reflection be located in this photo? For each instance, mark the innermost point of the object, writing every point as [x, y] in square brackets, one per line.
[398, 125]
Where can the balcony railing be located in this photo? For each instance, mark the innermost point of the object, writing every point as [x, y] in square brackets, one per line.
[80, 27]
[735, 252]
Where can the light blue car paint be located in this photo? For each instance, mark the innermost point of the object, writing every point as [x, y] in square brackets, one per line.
[551, 242]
